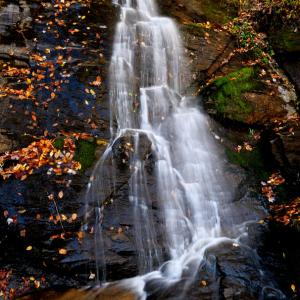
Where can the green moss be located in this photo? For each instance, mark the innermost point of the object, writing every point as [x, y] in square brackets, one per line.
[85, 153]
[249, 160]
[196, 26]
[228, 96]
[59, 143]
[283, 193]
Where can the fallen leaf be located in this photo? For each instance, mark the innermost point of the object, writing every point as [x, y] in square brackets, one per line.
[293, 288]
[62, 251]
[37, 284]
[23, 232]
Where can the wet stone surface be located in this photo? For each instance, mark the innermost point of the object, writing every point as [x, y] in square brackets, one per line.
[59, 52]
[66, 46]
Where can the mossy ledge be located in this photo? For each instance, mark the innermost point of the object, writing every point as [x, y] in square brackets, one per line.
[226, 94]
[251, 161]
[59, 143]
[84, 153]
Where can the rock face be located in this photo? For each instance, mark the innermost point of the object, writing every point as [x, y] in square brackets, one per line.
[6, 143]
[111, 293]
[86, 54]
[211, 53]
[243, 98]
[286, 43]
[203, 57]
[198, 11]
[9, 16]
[285, 148]
[239, 95]
[15, 20]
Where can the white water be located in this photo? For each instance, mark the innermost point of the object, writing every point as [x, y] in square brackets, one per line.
[145, 89]
[145, 98]
[145, 95]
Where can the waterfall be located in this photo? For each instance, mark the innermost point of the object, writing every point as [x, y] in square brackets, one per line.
[146, 104]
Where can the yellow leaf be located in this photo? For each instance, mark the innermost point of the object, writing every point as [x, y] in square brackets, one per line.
[204, 283]
[23, 177]
[62, 251]
[101, 142]
[80, 234]
[29, 248]
[293, 287]
[37, 284]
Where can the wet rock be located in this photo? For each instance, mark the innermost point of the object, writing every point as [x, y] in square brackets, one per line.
[74, 110]
[242, 97]
[12, 52]
[203, 58]
[124, 147]
[285, 40]
[205, 46]
[109, 293]
[285, 148]
[26, 19]
[199, 11]
[265, 108]
[240, 278]
[291, 65]
[6, 142]
[209, 53]
[14, 19]
[9, 16]
[291, 145]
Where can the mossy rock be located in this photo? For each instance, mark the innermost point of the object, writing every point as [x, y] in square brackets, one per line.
[227, 96]
[194, 28]
[59, 143]
[286, 41]
[85, 153]
[250, 160]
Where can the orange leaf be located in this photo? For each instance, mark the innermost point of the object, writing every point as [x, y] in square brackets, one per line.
[62, 251]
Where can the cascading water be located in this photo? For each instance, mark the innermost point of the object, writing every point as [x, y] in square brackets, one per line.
[145, 89]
